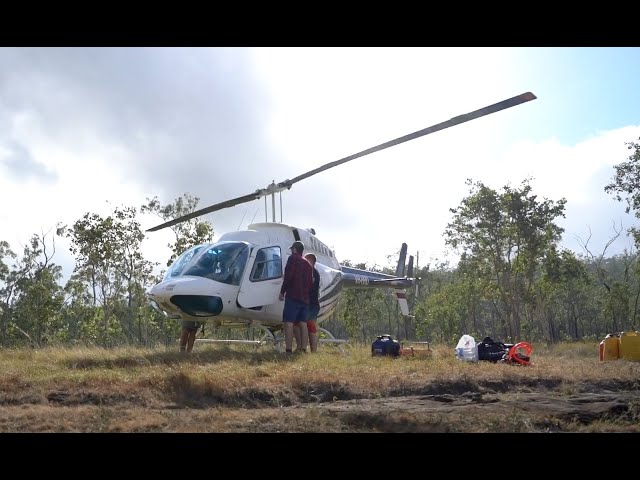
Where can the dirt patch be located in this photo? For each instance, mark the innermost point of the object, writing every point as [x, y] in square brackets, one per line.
[534, 411]
[227, 390]
[527, 408]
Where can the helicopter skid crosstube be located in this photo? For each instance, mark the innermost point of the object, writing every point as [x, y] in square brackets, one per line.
[257, 343]
[276, 341]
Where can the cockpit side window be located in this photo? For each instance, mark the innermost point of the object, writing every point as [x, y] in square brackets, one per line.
[268, 265]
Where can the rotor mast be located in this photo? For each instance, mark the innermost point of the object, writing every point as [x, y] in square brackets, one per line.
[272, 189]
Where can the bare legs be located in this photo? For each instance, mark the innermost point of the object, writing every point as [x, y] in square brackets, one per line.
[187, 339]
[302, 336]
[313, 342]
[288, 336]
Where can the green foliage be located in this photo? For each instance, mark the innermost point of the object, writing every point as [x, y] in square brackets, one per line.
[626, 182]
[438, 316]
[188, 233]
[502, 239]
[617, 307]
[110, 264]
[356, 309]
[102, 329]
[625, 186]
[35, 299]
[511, 281]
[564, 292]
[5, 252]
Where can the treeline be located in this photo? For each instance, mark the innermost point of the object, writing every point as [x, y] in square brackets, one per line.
[512, 282]
[569, 297]
[104, 301]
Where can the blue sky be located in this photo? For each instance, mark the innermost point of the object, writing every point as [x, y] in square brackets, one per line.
[585, 90]
[87, 129]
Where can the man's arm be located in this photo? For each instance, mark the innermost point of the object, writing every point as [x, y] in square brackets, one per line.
[288, 274]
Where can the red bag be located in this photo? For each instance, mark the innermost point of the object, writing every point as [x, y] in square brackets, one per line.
[518, 357]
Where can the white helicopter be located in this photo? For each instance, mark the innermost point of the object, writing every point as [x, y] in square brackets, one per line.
[235, 281]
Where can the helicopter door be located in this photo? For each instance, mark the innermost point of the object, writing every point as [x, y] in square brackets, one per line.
[262, 278]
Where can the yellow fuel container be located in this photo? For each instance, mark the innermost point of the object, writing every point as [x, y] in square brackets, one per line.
[630, 346]
[609, 348]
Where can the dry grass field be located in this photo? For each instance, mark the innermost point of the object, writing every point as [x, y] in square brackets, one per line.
[240, 389]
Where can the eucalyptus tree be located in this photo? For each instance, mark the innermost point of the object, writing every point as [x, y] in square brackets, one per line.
[362, 313]
[503, 237]
[625, 187]
[36, 309]
[110, 263]
[567, 304]
[135, 272]
[8, 280]
[431, 280]
[5, 252]
[188, 233]
[79, 314]
[442, 316]
[619, 276]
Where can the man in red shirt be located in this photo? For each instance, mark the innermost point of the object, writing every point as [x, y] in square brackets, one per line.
[298, 278]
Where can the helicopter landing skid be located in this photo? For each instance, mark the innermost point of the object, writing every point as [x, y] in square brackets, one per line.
[273, 338]
[326, 337]
[267, 337]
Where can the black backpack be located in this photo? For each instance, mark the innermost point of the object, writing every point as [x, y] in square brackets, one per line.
[491, 350]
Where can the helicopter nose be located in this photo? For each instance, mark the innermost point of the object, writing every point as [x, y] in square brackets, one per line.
[198, 305]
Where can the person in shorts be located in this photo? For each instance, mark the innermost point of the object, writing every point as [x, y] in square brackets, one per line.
[298, 277]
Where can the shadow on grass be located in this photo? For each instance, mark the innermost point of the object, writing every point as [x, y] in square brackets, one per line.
[130, 360]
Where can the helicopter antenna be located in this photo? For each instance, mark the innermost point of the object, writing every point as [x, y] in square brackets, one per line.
[254, 215]
[240, 224]
[287, 184]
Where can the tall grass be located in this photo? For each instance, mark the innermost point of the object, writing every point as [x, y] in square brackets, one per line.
[232, 368]
[152, 380]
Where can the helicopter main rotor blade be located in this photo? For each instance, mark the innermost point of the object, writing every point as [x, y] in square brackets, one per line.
[496, 107]
[203, 211]
[273, 188]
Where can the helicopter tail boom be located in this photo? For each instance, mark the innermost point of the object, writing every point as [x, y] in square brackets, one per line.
[357, 278]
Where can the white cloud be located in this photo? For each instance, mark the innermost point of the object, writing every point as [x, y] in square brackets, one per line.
[118, 125]
[578, 173]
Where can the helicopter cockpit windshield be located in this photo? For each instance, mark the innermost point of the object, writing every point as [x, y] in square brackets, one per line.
[223, 262]
[182, 261]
